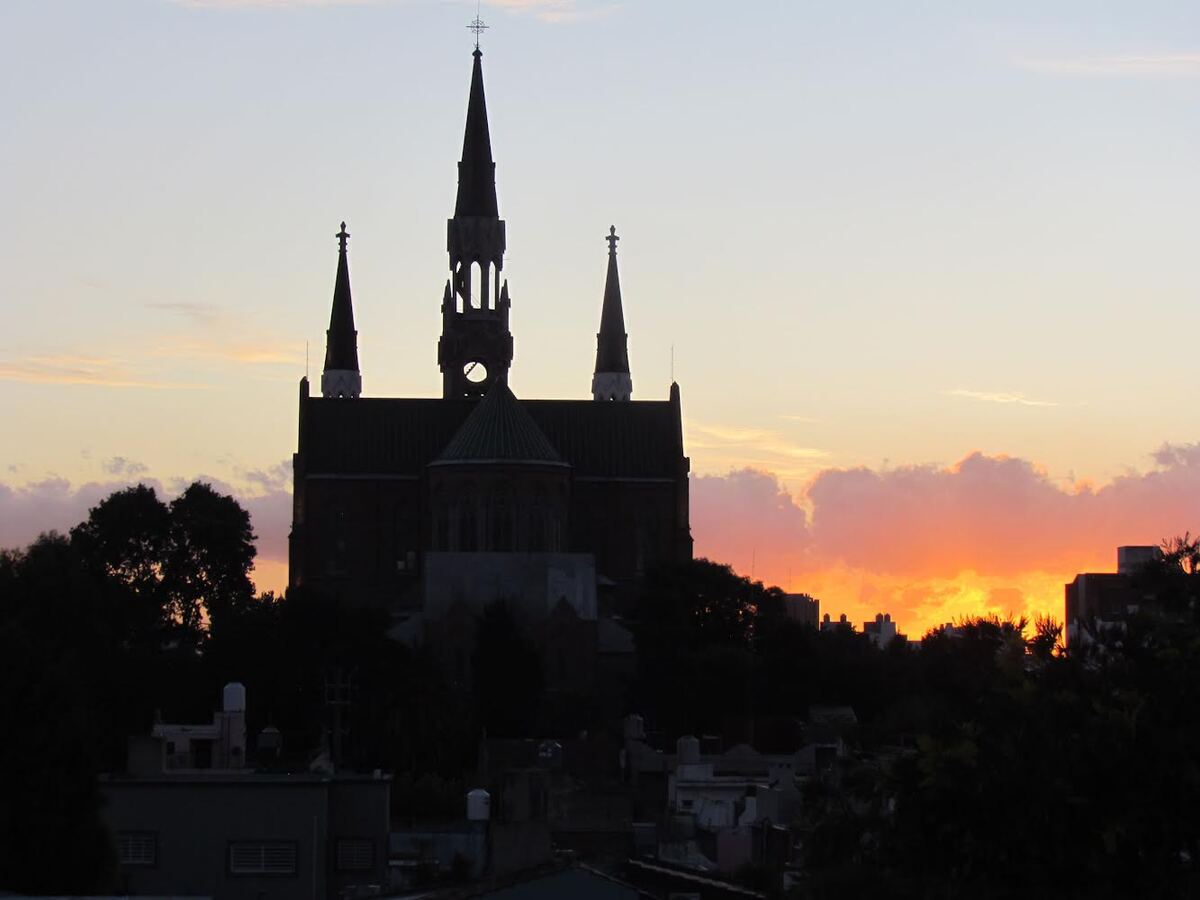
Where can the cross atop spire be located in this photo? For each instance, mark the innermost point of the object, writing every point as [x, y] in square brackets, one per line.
[477, 27]
[342, 237]
[612, 240]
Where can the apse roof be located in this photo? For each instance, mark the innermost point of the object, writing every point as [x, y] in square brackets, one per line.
[499, 430]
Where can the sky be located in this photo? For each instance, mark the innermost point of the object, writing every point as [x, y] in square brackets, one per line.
[925, 272]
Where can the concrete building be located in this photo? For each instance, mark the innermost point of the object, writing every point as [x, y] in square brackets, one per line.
[802, 609]
[881, 631]
[191, 817]
[828, 624]
[1095, 601]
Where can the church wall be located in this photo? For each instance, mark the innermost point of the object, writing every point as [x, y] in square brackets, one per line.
[362, 537]
[630, 526]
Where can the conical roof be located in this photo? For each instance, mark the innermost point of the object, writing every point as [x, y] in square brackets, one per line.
[612, 349]
[499, 429]
[341, 340]
[477, 171]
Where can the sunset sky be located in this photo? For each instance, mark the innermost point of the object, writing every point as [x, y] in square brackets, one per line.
[930, 270]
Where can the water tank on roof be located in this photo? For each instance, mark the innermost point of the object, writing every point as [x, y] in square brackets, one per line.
[687, 748]
[234, 697]
[479, 805]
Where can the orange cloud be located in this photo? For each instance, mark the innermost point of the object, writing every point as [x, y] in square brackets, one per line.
[931, 543]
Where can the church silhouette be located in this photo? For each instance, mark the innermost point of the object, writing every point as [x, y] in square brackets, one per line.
[436, 507]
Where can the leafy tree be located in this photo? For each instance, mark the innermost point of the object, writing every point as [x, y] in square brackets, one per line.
[210, 555]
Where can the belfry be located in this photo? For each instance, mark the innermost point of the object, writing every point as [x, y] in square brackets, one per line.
[434, 507]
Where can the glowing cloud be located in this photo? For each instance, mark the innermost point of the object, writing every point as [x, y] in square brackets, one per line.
[928, 543]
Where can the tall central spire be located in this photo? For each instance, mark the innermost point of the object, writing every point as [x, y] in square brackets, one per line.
[477, 171]
[475, 349]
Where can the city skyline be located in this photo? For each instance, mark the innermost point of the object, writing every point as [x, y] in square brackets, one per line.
[939, 369]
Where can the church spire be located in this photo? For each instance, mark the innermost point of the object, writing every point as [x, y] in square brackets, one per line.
[477, 171]
[476, 346]
[341, 377]
[612, 380]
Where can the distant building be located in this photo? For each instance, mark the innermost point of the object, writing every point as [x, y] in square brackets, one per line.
[1099, 600]
[828, 625]
[882, 631]
[192, 817]
[802, 609]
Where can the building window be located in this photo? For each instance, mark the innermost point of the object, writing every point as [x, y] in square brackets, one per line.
[355, 854]
[137, 848]
[262, 858]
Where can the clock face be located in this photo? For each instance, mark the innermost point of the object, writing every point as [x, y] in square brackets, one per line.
[475, 372]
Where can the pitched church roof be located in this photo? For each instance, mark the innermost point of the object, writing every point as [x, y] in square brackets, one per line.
[476, 170]
[612, 347]
[341, 340]
[499, 430]
[640, 439]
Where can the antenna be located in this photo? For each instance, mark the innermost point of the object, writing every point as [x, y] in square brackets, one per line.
[672, 362]
[306, 359]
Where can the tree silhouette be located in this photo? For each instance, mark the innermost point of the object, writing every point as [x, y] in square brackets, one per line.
[209, 557]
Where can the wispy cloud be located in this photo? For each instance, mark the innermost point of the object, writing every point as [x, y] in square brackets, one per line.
[1174, 64]
[716, 436]
[91, 370]
[251, 352]
[554, 11]
[270, 4]
[999, 397]
[198, 313]
[731, 446]
[559, 12]
[121, 467]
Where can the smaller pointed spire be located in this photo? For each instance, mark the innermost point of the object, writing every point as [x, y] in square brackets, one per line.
[341, 377]
[612, 380]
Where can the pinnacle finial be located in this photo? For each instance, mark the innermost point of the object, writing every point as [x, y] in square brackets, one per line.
[477, 27]
[342, 237]
[612, 240]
